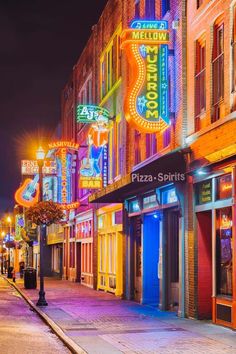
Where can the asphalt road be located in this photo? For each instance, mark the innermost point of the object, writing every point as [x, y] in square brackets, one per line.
[21, 330]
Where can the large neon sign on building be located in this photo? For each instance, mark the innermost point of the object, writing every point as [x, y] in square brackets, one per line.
[146, 101]
[93, 169]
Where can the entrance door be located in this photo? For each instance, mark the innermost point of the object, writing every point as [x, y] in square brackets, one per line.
[204, 239]
[172, 264]
[78, 261]
[137, 229]
[150, 280]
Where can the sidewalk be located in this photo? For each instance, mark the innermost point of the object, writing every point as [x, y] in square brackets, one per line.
[101, 323]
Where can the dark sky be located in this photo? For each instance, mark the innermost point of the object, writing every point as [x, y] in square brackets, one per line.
[40, 41]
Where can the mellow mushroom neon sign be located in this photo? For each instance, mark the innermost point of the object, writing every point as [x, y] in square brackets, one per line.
[146, 102]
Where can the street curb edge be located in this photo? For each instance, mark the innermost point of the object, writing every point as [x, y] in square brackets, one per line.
[70, 344]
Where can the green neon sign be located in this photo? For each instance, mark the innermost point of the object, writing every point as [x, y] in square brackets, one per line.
[90, 114]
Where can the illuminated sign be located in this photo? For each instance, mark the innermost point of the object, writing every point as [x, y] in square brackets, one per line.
[89, 114]
[94, 167]
[19, 224]
[30, 167]
[224, 186]
[204, 192]
[64, 162]
[27, 195]
[61, 189]
[63, 144]
[50, 188]
[146, 101]
[70, 206]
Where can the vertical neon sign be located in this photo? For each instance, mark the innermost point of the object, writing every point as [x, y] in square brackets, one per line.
[146, 101]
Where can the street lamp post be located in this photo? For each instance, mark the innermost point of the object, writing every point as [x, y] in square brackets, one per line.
[9, 250]
[40, 154]
[2, 234]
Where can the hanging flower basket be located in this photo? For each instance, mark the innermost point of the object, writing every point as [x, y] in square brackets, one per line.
[45, 213]
[10, 244]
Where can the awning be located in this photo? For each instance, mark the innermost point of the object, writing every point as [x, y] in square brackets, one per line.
[162, 170]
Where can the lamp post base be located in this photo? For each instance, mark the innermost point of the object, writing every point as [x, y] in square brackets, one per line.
[42, 301]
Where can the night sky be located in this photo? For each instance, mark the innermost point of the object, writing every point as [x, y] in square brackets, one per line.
[40, 41]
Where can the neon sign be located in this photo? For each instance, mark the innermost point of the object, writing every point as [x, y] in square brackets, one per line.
[64, 144]
[27, 194]
[70, 206]
[89, 114]
[19, 224]
[146, 102]
[64, 162]
[30, 167]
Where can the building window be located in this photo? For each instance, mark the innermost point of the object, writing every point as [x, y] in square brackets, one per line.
[200, 82]
[224, 251]
[110, 64]
[218, 70]
[137, 9]
[151, 144]
[199, 3]
[166, 137]
[137, 149]
[165, 6]
[72, 254]
[234, 54]
[150, 9]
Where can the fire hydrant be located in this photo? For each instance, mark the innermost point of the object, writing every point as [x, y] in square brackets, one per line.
[14, 275]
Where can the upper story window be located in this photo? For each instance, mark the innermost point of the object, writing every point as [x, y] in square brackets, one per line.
[233, 88]
[151, 144]
[200, 80]
[217, 70]
[165, 6]
[199, 3]
[150, 9]
[137, 9]
[110, 64]
[85, 93]
[137, 147]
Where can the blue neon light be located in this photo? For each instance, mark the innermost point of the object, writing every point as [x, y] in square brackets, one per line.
[142, 24]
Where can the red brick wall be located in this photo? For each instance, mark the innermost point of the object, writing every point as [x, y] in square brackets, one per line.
[212, 138]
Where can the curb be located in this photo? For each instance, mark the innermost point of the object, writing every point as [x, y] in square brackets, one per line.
[69, 343]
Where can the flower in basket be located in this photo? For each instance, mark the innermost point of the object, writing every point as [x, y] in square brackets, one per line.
[45, 213]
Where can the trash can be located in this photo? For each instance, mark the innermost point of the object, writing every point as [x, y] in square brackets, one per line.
[9, 272]
[30, 279]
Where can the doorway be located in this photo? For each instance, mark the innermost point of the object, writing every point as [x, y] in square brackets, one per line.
[137, 234]
[150, 249]
[204, 246]
[78, 262]
[171, 263]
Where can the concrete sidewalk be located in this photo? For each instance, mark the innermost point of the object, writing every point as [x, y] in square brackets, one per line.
[101, 323]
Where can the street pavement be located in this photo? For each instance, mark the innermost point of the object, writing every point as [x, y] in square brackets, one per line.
[21, 330]
[101, 323]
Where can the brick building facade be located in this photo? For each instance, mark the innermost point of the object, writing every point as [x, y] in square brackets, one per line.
[211, 127]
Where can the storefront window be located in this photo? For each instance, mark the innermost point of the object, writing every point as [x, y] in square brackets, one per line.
[224, 251]
[168, 196]
[224, 187]
[134, 206]
[150, 201]
[204, 192]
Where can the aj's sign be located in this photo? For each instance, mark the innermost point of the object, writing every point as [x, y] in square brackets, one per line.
[90, 114]
[146, 101]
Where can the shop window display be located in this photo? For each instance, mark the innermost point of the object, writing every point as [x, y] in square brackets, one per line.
[224, 251]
